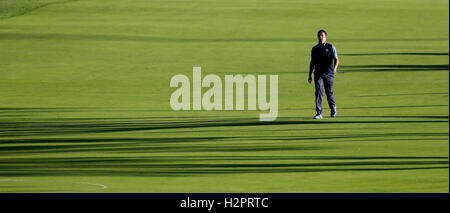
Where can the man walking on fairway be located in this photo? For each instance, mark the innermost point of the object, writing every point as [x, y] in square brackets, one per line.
[324, 62]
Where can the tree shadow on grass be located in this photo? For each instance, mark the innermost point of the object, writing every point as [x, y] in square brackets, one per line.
[176, 144]
[405, 94]
[200, 161]
[393, 68]
[399, 53]
[30, 128]
[206, 165]
[398, 116]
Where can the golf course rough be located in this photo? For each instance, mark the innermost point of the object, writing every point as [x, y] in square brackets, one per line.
[85, 96]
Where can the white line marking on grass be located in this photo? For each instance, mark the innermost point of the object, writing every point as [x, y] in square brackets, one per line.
[61, 181]
[86, 183]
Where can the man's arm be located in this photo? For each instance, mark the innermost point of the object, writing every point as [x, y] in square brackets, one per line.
[336, 59]
[336, 64]
[311, 68]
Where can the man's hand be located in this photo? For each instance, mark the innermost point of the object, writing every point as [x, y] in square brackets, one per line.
[336, 63]
[311, 68]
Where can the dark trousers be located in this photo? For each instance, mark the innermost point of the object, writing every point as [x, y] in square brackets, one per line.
[321, 81]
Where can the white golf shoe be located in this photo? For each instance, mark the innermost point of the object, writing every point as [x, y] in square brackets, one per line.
[318, 116]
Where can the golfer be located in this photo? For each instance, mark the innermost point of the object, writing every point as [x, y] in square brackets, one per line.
[324, 63]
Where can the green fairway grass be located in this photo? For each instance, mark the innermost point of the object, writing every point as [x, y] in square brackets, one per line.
[85, 91]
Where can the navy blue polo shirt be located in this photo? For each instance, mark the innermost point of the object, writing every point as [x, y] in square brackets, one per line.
[323, 58]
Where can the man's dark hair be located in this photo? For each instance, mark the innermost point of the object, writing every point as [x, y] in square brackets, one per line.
[322, 31]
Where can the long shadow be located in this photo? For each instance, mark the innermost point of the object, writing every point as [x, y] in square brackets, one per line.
[408, 53]
[112, 140]
[184, 173]
[142, 145]
[15, 111]
[36, 7]
[255, 143]
[177, 166]
[11, 128]
[185, 166]
[393, 107]
[128, 148]
[307, 144]
[392, 68]
[351, 136]
[375, 107]
[398, 116]
[405, 94]
[49, 129]
[198, 158]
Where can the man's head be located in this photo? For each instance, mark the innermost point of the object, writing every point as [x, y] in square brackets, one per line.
[322, 36]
